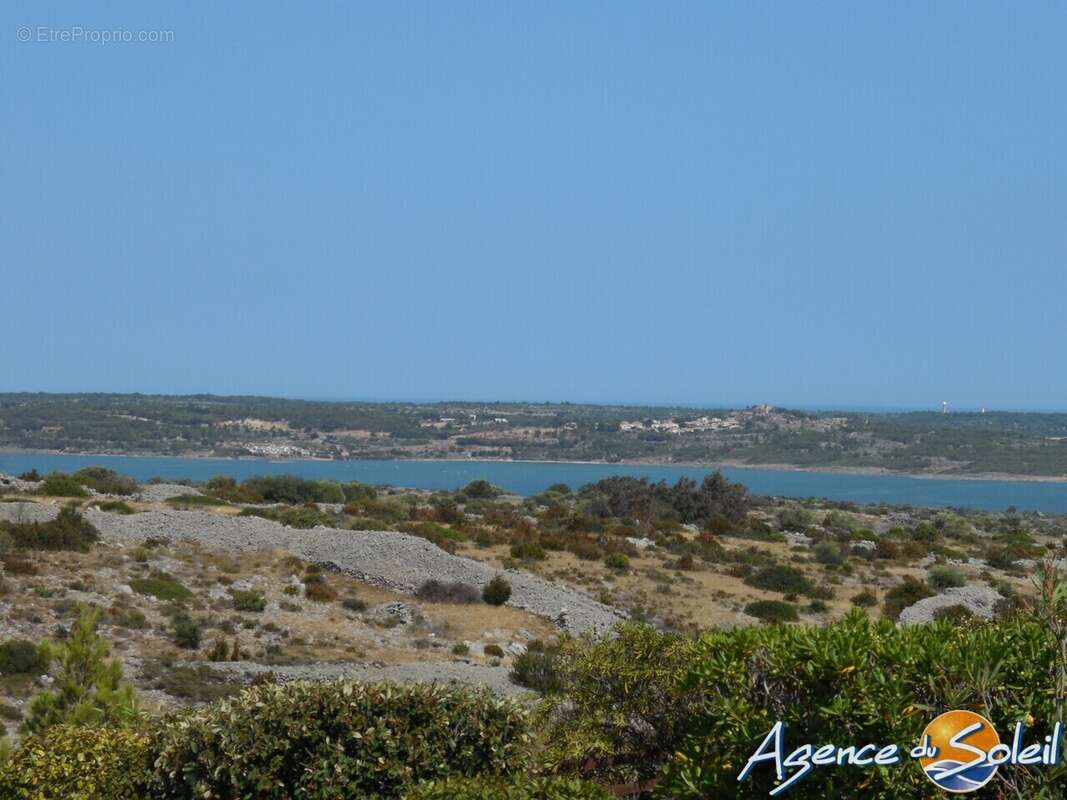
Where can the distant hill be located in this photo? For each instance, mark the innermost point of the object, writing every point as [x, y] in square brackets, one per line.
[1030, 444]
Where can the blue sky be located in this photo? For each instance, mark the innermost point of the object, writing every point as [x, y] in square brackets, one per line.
[831, 204]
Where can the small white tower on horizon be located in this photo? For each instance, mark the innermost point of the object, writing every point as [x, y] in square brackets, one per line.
[944, 406]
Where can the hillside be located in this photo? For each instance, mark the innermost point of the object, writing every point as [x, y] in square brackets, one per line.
[1028, 444]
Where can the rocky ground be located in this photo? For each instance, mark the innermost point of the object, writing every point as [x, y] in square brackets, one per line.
[388, 559]
[341, 599]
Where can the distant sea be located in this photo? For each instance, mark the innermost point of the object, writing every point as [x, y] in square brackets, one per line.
[527, 478]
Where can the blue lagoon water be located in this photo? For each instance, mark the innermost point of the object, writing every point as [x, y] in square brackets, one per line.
[528, 478]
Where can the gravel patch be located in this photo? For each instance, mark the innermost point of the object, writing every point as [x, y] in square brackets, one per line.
[10, 483]
[394, 561]
[158, 492]
[979, 600]
[28, 511]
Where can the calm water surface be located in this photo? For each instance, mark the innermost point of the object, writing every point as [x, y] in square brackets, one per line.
[531, 478]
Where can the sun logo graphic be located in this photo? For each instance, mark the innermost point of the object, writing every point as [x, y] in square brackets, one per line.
[955, 751]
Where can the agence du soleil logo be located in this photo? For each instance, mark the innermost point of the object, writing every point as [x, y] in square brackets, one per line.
[960, 752]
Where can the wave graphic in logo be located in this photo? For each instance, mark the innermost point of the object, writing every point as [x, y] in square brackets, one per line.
[959, 743]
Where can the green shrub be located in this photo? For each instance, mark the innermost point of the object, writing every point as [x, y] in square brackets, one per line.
[621, 710]
[305, 740]
[829, 553]
[857, 681]
[317, 589]
[943, 576]
[955, 613]
[497, 591]
[795, 518]
[58, 484]
[434, 591]
[105, 481]
[162, 587]
[530, 551]
[514, 788]
[865, 599]
[354, 604]
[460, 649]
[779, 578]
[617, 561]
[302, 517]
[773, 611]
[480, 490]
[185, 631]
[21, 657]
[538, 669]
[68, 531]
[76, 763]
[908, 593]
[88, 688]
[115, 506]
[249, 600]
[292, 489]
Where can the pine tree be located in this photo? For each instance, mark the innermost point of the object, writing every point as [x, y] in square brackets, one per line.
[89, 689]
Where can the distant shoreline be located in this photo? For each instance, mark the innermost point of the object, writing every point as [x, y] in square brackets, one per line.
[712, 465]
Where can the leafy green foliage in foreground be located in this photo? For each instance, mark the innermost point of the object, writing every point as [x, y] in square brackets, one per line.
[336, 740]
[68, 531]
[688, 711]
[695, 709]
[519, 788]
[78, 763]
[857, 682]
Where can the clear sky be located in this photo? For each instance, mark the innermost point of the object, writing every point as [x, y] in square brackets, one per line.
[833, 204]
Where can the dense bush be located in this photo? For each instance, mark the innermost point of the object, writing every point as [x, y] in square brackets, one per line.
[621, 710]
[317, 589]
[303, 517]
[795, 518]
[908, 593]
[68, 531]
[538, 668]
[528, 551]
[779, 578]
[18, 656]
[58, 484]
[303, 740]
[773, 611]
[497, 591]
[105, 481]
[249, 600]
[943, 576]
[293, 489]
[480, 490]
[161, 586]
[865, 599]
[434, 591]
[829, 553]
[857, 681]
[77, 763]
[514, 788]
[114, 506]
[623, 496]
[617, 561]
[185, 631]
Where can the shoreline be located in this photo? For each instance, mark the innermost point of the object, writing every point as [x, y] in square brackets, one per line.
[710, 465]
